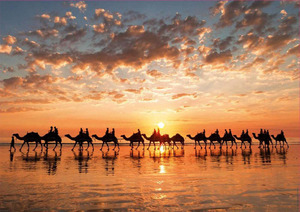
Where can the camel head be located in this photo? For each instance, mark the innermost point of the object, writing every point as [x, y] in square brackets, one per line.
[94, 136]
[16, 134]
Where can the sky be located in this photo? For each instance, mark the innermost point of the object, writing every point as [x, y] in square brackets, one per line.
[130, 65]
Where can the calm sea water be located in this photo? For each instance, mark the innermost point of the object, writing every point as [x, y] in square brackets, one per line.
[161, 180]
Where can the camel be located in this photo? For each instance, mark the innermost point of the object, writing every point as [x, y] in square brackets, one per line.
[243, 138]
[214, 137]
[197, 138]
[51, 136]
[176, 138]
[228, 137]
[80, 138]
[107, 138]
[153, 138]
[262, 139]
[28, 138]
[136, 137]
[279, 138]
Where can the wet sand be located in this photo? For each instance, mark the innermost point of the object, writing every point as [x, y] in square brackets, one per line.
[161, 180]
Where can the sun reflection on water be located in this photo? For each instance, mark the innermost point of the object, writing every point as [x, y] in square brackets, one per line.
[162, 169]
[162, 149]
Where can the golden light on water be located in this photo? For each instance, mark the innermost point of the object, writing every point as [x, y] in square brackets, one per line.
[161, 125]
[162, 149]
[162, 169]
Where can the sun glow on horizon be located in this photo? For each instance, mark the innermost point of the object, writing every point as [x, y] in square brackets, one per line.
[161, 125]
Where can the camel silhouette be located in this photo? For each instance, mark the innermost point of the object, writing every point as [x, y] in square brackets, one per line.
[80, 139]
[280, 138]
[134, 138]
[51, 136]
[30, 138]
[264, 139]
[108, 137]
[228, 137]
[197, 138]
[155, 137]
[215, 137]
[243, 138]
[177, 138]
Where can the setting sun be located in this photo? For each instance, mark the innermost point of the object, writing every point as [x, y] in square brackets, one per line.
[161, 125]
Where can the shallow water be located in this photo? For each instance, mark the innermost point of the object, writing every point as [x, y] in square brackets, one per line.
[169, 180]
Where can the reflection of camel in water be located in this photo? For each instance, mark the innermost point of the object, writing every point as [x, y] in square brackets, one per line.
[83, 160]
[51, 161]
[51, 136]
[177, 138]
[30, 158]
[82, 137]
[110, 161]
[107, 138]
[197, 138]
[30, 138]
[280, 138]
[134, 138]
[243, 138]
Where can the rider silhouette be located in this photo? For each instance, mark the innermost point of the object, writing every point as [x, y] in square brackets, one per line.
[87, 131]
[217, 132]
[55, 130]
[230, 132]
[113, 132]
[106, 133]
[51, 129]
[81, 131]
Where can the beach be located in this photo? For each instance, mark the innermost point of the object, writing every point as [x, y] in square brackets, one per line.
[150, 180]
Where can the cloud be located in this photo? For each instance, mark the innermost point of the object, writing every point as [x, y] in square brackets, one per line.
[5, 49]
[44, 33]
[108, 16]
[81, 5]
[60, 20]
[259, 4]
[70, 16]
[44, 16]
[223, 44]
[255, 18]
[74, 36]
[218, 58]
[294, 50]
[189, 26]
[9, 40]
[182, 95]
[18, 51]
[154, 73]
[31, 44]
[229, 12]
[19, 109]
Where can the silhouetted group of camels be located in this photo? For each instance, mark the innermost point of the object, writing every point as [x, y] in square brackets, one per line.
[263, 137]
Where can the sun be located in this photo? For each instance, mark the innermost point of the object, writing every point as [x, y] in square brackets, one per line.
[161, 125]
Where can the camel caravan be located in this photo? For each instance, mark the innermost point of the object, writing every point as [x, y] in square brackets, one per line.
[264, 138]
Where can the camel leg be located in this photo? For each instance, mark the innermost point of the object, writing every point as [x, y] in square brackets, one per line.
[88, 146]
[107, 145]
[115, 145]
[102, 146]
[199, 144]
[175, 145]
[138, 145]
[36, 144]
[149, 145]
[74, 145]
[92, 145]
[55, 145]
[41, 146]
[154, 145]
[22, 146]
[195, 144]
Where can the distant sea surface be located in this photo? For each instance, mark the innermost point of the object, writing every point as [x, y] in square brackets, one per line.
[150, 180]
